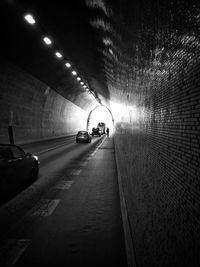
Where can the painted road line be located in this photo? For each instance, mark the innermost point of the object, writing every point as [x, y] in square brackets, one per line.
[96, 149]
[94, 152]
[100, 144]
[76, 172]
[64, 184]
[11, 251]
[83, 164]
[45, 207]
[49, 149]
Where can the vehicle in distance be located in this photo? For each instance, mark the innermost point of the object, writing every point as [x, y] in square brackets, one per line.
[17, 170]
[96, 131]
[83, 136]
[102, 127]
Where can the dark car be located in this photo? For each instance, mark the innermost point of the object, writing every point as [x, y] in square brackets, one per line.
[102, 127]
[83, 136]
[17, 170]
[96, 131]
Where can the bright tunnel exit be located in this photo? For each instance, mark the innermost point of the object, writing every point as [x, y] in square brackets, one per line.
[100, 114]
[127, 116]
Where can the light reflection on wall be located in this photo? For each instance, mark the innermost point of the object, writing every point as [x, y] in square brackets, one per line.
[127, 116]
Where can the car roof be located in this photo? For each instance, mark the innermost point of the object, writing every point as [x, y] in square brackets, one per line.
[82, 131]
[7, 145]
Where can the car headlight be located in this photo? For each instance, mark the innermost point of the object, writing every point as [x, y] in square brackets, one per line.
[35, 157]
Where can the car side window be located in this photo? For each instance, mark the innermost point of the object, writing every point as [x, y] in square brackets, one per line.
[17, 153]
[5, 153]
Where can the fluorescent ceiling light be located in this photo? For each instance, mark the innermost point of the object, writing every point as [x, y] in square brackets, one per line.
[110, 50]
[82, 83]
[68, 65]
[47, 40]
[29, 18]
[58, 54]
[74, 72]
[107, 41]
[78, 78]
[84, 86]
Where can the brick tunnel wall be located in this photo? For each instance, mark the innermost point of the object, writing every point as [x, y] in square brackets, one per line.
[33, 109]
[159, 159]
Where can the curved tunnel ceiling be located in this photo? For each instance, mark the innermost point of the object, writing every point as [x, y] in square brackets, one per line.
[117, 47]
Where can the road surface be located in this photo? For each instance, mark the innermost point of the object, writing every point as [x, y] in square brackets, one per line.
[76, 220]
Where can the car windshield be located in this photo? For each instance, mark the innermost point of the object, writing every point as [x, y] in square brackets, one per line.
[17, 153]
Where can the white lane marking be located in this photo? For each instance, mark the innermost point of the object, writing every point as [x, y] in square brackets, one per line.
[76, 172]
[12, 249]
[99, 145]
[46, 150]
[83, 164]
[94, 152]
[45, 207]
[52, 148]
[64, 184]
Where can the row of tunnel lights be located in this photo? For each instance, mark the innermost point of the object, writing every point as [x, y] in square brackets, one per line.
[30, 19]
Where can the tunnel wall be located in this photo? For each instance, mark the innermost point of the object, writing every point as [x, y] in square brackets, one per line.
[159, 159]
[33, 109]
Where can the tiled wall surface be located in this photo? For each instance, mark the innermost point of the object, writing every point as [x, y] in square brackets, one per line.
[161, 176]
[160, 154]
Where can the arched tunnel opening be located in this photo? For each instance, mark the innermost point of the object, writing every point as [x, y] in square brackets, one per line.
[103, 114]
[134, 65]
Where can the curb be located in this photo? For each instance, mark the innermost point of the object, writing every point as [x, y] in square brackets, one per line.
[130, 253]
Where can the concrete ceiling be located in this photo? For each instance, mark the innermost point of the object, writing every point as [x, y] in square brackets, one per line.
[109, 43]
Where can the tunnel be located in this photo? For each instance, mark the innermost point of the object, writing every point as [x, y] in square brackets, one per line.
[140, 61]
[94, 118]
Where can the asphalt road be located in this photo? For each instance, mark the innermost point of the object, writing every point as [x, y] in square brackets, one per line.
[71, 216]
